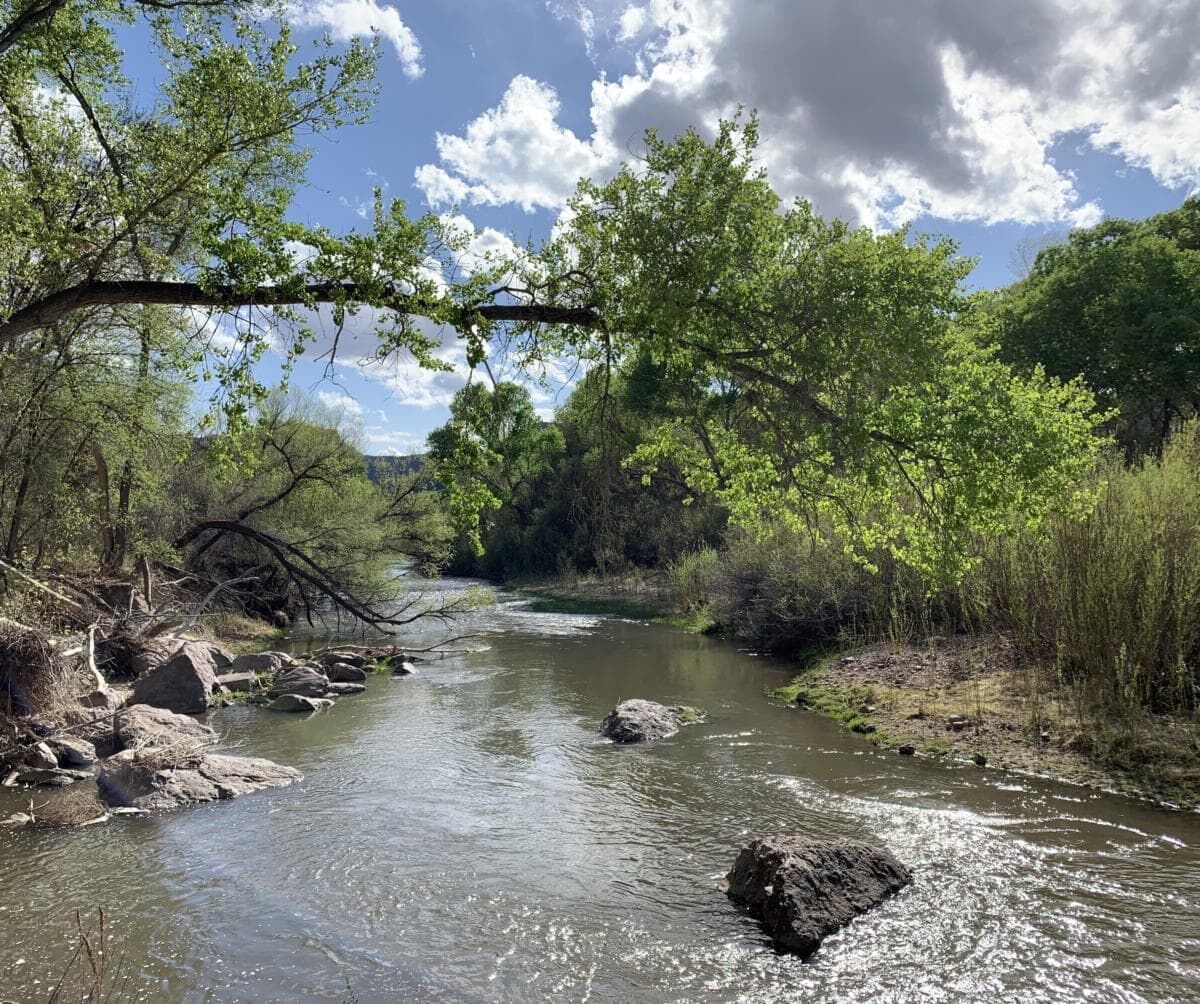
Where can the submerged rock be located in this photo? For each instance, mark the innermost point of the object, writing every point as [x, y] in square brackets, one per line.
[299, 703]
[303, 681]
[639, 721]
[183, 684]
[141, 725]
[132, 778]
[803, 890]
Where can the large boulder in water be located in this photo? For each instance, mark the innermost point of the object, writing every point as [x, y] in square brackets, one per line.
[344, 672]
[262, 662]
[296, 703]
[140, 726]
[183, 684]
[303, 681]
[803, 890]
[146, 781]
[639, 721]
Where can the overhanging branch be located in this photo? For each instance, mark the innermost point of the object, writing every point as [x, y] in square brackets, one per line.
[102, 293]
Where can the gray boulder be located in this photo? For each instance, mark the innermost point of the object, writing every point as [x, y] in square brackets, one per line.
[237, 681]
[72, 752]
[344, 672]
[297, 703]
[104, 700]
[222, 657]
[348, 657]
[39, 756]
[803, 890]
[304, 681]
[141, 725]
[346, 689]
[262, 662]
[183, 683]
[639, 721]
[133, 778]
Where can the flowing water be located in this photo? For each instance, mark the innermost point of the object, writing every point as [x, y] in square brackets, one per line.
[465, 835]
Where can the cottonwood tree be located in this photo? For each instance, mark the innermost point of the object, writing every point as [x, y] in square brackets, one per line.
[870, 406]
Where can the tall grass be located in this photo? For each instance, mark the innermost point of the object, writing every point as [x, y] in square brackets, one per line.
[1112, 602]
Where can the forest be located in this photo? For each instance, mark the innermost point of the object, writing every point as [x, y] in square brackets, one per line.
[812, 435]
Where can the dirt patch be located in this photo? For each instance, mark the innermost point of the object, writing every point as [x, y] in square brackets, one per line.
[970, 699]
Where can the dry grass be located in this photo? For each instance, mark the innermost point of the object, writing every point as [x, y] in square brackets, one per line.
[98, 971]
[33, 674]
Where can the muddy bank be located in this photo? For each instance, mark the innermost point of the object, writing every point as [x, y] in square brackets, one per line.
[969, 699]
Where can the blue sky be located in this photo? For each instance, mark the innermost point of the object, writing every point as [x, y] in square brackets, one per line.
[997, 122]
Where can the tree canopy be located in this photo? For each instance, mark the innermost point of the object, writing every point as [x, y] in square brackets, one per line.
[866, 400]
[869, 403]
[1119, 305]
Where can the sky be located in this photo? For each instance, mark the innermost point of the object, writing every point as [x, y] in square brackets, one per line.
[1000, 123]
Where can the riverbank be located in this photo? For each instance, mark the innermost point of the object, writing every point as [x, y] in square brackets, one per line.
[969, 699]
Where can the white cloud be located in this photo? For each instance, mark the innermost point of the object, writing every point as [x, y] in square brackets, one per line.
[513, 153]
[632, 21]
[381, 441]
[347, 19]
[948, 109]
[340, 402]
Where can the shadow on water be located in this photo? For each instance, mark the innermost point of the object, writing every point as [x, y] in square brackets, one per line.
[465, 835]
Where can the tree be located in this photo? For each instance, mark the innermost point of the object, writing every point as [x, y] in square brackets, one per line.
[306, 524]
[867, 404]
[1119, 305]
[490, 453]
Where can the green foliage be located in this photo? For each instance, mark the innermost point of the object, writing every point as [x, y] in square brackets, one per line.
[91, 423]
[1118, 304]
[490, 454]
[303, 518]
[868, 406]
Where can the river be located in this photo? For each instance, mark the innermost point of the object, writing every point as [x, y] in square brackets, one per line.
[465, 835]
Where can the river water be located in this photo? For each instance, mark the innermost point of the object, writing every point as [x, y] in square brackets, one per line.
[465, 835]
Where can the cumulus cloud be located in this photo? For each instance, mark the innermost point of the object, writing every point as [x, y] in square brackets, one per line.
[339, 401]
[515, 152]
[347, 19]
[875, 113]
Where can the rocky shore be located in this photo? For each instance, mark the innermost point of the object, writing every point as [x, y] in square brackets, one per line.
[141, 748]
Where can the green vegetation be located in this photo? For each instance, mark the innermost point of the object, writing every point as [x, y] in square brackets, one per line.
[1118, 304]
[813, 435]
